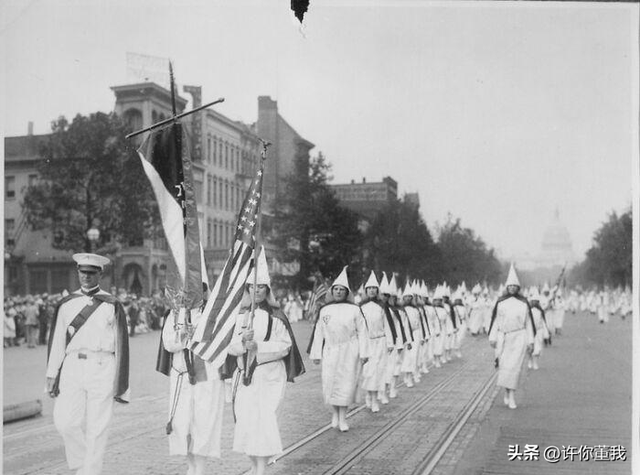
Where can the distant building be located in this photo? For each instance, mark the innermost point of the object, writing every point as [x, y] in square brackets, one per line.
[412, 199]
[367, 198]
[225, 155]
[556, 249]
[288, 152]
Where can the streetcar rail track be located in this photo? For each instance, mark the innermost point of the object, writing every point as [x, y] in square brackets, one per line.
[431, 459]
[345, 464]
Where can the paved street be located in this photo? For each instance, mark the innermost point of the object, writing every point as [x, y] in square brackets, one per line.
[580, 396]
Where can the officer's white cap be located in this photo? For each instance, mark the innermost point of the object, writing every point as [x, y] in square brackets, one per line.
[85, 259]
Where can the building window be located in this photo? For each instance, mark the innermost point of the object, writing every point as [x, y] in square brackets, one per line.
[10, 187]
[220, 191]
[133, 118]
[13, 272]
[9, 229]
[38, 281]
[226, 156]
[209, 149]
[59, 280]
[215, 234]
[215, 191]
[226, 194]
[215, 150]
[33, 180]
[209, 190]
[209, 230]
[9, 225]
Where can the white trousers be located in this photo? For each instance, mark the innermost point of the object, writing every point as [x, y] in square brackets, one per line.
[83, 409]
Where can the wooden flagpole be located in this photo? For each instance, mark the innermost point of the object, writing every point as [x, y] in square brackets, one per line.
[250, 355]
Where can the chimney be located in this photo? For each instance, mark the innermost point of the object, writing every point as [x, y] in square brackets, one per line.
[30, 128]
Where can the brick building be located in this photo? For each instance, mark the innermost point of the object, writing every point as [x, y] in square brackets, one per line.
[367, 198]
[225, 155]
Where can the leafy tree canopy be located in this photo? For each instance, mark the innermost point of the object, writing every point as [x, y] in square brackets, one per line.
[609, 261]
[90, 175]
[311, 226]
[465, 256]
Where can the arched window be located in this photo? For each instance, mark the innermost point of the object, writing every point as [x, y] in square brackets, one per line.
[215, 150]
[133, 118]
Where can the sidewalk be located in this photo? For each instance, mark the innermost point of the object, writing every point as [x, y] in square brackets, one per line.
[579, 400]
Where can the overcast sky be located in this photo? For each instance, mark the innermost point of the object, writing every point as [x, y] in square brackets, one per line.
[495, 112]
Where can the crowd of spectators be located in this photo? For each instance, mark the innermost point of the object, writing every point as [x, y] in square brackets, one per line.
[27, 318]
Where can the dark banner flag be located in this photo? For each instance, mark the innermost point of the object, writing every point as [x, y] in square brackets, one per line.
[171, 177]
[213, 334]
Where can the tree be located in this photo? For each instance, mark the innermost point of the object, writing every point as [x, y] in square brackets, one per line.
[466, 257]
[91, 176]
[609, 261]
[310, 226]
[398, 240]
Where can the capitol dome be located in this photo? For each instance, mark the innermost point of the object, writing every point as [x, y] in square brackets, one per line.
[557, 247]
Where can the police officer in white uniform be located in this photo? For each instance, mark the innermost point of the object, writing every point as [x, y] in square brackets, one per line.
[88, 366]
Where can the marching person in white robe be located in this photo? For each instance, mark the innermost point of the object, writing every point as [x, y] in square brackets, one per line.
[559, 310]
[476, 310]
[427, 317]
[392, 370]
[460, 312]
[266, 355]
[196, 404]
[410, 359]
[512, 331]
[380, 344]
[340, 343]
[541, 328]
[405, 331]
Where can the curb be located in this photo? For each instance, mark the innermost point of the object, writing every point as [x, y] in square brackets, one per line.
[23, 410]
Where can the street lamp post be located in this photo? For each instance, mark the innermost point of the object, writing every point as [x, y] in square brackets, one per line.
[93, 235]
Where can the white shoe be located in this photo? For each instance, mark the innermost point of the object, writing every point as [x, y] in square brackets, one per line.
[344, 427]
[529, 364]
[384, 399]
[437, 363]
[506, 400]
[367, 400]
[393, 392]
[512, 404]
[425, 369]
[535, 365]
[409, 383]
[416, 377]
[334, 421]
[374, 407]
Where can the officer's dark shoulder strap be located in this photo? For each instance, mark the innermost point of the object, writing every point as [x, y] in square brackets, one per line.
[82, 317]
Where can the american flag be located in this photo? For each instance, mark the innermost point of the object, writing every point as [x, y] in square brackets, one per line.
[317, 298]
[212, 334]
